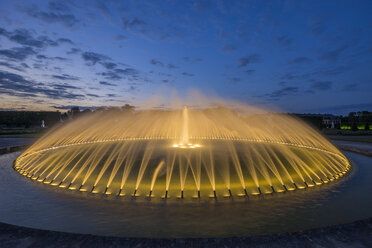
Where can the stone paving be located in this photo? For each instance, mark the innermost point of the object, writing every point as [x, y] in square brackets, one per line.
[356, 234]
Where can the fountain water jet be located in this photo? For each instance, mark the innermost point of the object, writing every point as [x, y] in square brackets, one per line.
[124, 153]
[156, 172]
[185, 136]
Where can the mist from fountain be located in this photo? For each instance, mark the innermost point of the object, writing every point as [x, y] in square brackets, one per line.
[207, 150]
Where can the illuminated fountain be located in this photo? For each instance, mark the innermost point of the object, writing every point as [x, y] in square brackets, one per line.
[184, 152]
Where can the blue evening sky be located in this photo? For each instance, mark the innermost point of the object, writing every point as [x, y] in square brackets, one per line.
[300, 56]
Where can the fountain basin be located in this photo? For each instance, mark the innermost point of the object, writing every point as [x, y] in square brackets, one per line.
[33, 204]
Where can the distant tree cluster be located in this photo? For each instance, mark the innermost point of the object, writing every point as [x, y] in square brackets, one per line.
[75, 112]
[28, 119]
[315, 121]
[357, 119]
[354, 120]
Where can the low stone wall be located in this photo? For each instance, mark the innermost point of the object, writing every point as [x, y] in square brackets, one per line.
[356, 234]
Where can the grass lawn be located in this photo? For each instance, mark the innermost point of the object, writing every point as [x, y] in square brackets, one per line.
[330, 131]
[21, 132]
[24, 135]
[366, 139]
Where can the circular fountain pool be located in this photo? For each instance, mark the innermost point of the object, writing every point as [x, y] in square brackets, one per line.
[32, 204]
[181, 172]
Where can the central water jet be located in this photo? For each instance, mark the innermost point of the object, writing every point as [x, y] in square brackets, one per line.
[185, 143]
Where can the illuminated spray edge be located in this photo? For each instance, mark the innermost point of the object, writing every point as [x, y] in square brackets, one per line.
[187, 146]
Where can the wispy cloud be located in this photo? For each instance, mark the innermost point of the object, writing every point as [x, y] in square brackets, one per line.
[250, 59]
[133, 24]
[318, 25]
[109, 65]
[58, 6]
[187, 74]
[16, 85]
[17, 53]
[74, 50]
[188, 59]
[106, 83]
[249, 71]
[118, 74]
[350, 87]
[284, 40]
[156, 62]
[289, 90]
[321, 85]
[334, 54]
[92, 58]
[299, 60]
[66, 77]
[12, 66]
[66, 19]
[229, 48]
[171, 66]
[121, 37]
[235, 80]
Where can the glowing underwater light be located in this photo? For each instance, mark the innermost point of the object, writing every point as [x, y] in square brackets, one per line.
[191, 146]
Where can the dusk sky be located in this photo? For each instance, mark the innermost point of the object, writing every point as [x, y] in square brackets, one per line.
[300, 56]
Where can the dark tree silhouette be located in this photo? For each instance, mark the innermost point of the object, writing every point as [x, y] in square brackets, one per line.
[354, 126]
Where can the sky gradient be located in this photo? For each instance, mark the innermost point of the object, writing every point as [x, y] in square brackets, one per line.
[300, 56]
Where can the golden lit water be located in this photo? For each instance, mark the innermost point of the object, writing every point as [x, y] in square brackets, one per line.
[186, 152]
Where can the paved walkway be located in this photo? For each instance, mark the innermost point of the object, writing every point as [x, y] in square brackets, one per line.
[358, 147]
[12, 142]
[356, 234]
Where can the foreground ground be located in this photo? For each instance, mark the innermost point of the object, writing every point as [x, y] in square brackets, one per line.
[356, 234]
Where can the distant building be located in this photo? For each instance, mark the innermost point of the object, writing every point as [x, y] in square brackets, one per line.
[331, 121]
[321, 121]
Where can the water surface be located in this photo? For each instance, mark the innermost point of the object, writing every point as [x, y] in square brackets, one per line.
[28, 203]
